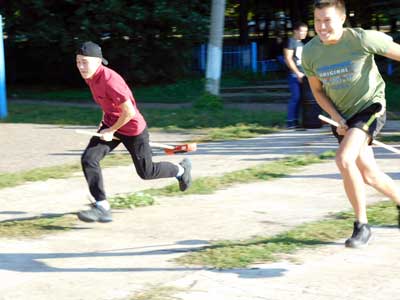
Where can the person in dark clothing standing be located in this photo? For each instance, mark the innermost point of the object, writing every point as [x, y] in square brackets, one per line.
[123, 120]
[292, 55]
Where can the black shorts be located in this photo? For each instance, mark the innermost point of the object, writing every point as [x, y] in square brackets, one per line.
[366, 121]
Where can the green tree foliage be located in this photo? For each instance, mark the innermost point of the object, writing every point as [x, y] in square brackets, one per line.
[147, 40]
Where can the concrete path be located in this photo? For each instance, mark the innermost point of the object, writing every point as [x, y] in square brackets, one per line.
[135, 252]
[30, 146]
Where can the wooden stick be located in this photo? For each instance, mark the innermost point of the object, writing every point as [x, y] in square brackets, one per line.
[175, 149]
[92, 133]
[375, 142]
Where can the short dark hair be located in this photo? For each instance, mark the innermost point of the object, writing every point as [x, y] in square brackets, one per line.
[299, 24]
[338, 4]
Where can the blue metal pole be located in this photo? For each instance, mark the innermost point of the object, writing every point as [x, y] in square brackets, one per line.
[254, 56]
[3, 97]
[203, 57]
[389, 67]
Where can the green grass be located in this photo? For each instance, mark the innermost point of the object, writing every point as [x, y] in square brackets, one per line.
[49, 114]
[243, 78]
[215, 125]
[182, 91]
[393, 96]
[209, 184]
[266, 171]
[65, 171]
[200, 186]
[59, 93]
[393, 115]
[156, 118]
[36, 227]
[39, 226]
[39, 174]
[157, 292]
[240, 254]
[238, 131]
[139, 199]
[390, 138]
[56, 172]
[185, 90]
[218, 119]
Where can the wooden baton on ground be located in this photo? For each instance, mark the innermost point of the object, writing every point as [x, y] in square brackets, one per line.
[168, 149]
[375, 142]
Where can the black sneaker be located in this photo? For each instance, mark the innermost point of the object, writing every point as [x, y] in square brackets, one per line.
[398, 215]
[360, 236]
[95, 214]
[185, 181]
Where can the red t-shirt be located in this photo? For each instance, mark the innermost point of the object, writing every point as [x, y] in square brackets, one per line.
[109, 90]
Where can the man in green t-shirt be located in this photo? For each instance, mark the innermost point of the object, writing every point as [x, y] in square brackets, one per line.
[339, 63]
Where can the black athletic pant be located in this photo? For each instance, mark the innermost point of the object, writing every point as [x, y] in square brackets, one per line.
[140, 151]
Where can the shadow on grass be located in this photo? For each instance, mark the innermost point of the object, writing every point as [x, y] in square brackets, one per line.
[289, 241]
[393, 175]
[33, 218]
[33, 261]
[37, 226]
[110, 261]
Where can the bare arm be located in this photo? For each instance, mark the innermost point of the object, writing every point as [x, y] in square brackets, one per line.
[393, 52]
[127, 113]
[326, 104]
[288, 56]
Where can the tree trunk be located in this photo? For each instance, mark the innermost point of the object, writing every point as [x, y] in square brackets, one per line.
[295, 11]
[393, 24]
[214, 55]
[243, 25]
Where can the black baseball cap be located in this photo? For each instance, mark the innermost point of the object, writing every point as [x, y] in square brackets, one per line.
[91, 49]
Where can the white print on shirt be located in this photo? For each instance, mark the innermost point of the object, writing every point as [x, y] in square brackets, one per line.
[337, 76]
[298, 53]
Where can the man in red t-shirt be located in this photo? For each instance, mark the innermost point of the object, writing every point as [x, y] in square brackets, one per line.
[122, 119]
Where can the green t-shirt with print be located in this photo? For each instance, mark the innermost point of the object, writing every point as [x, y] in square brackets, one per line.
[347, 69]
